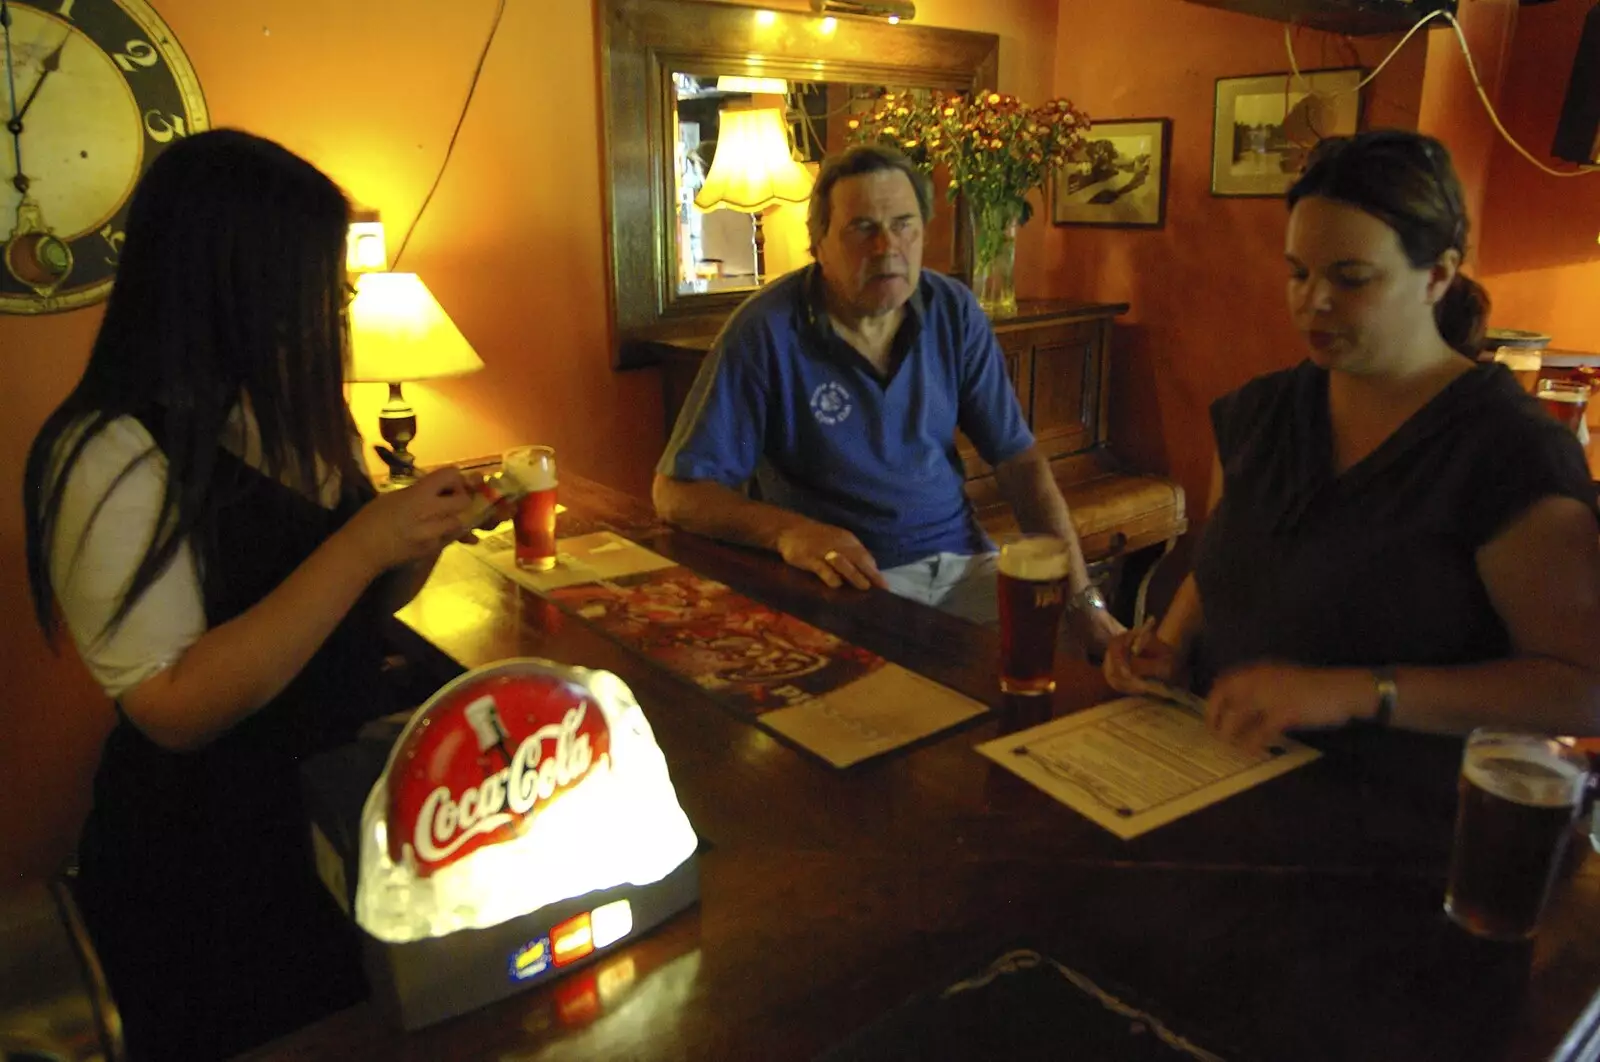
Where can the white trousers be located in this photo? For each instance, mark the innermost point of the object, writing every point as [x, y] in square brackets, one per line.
[958, 583]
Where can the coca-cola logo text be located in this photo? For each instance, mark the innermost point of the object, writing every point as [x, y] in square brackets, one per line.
[446, 824]
[487, 759]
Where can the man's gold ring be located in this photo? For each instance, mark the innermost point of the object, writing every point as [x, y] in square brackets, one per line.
[831, 556]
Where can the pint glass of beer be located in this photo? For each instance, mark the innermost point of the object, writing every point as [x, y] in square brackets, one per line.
[534, 524]
[1565, 400]
[1519, 795]
[1033, 590]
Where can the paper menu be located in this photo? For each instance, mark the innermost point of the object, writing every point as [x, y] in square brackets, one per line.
[841, 702]
[588, 558]
[1137, 763]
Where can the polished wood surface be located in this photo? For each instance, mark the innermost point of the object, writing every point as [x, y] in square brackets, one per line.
[1299, 920]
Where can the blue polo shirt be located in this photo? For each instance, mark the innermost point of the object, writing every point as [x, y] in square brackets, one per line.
[783, 399]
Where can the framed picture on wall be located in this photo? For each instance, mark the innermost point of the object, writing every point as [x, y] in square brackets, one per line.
[1266, 125]
[1123, 183]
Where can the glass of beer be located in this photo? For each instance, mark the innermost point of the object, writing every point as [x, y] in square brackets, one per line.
[1032, 591]
[1519, 794]
[534, 523]
[1565, 400]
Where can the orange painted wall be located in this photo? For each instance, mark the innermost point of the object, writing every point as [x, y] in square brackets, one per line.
[1206, 291]
[1538, 255]
[512, 246]
[1451, 109]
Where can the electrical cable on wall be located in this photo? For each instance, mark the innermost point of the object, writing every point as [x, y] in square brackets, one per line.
[1472, 68]
[472, 87]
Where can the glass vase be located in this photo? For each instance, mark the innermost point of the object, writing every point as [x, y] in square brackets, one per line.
[994, 256]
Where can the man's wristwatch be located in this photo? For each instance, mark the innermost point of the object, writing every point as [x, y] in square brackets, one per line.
[1087, 600]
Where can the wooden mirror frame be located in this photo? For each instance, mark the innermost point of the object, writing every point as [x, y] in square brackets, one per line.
[643, 42]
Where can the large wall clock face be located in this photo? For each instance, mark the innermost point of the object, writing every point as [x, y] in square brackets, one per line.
[91, 91]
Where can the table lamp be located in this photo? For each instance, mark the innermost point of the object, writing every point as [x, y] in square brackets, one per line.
[753, 170]
[399, 332]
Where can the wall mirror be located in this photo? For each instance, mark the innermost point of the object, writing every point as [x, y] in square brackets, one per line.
[677, 77]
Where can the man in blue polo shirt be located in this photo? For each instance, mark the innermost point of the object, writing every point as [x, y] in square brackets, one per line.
[839, 388]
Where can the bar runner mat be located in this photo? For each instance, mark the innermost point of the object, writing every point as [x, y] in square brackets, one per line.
[1024, 1007]
[836, 700]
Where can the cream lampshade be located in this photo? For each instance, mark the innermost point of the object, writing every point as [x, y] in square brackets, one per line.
[399, 332]
[753, 170]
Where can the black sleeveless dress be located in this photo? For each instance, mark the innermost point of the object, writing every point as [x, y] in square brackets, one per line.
[196, 872]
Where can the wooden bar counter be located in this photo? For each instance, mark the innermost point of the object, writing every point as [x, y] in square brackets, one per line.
[1298, 920]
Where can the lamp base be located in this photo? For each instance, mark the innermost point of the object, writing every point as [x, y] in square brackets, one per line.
[397, 423]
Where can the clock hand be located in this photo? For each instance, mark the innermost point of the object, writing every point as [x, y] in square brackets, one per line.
[18, 179]
[51, 64]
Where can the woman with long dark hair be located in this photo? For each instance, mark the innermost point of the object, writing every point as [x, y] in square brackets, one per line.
[1398, 533]
[198, 516]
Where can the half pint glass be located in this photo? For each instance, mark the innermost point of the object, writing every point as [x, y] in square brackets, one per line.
[1032, 592]
[534, 522]
[1565, 400]
[1519, 794]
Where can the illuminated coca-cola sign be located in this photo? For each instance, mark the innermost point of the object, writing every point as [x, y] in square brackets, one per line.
[488, 757]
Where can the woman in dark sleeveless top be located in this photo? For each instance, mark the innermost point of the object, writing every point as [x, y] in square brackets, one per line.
[1398, 533]
[198, 517]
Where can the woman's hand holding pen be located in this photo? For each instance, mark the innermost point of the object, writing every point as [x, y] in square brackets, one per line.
[1139, 656]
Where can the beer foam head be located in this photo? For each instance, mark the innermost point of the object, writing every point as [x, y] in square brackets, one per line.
[1571, 398]
[1519, 360]
[518, 785]
[1529, 774]
[532, 469]
[1037, 558]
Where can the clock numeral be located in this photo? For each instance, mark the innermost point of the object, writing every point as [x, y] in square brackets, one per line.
[65, 10]
[162, 127]
[114, 239]
[139, 53]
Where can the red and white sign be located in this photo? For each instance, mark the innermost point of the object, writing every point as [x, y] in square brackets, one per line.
[489, 755]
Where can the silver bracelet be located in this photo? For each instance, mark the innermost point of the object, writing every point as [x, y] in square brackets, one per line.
[1087, 599]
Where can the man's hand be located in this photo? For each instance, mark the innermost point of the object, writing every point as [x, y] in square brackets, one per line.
[834, 554]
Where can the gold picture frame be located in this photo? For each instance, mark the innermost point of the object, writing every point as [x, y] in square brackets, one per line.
[1264, 126]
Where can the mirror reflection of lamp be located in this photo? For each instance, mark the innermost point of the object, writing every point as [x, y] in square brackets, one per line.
[753, 170]
[399, 332]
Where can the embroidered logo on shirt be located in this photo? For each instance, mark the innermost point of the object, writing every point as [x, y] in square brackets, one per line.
[830, 403]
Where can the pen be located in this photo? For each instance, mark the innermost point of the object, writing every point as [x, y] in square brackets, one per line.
[1140, 636]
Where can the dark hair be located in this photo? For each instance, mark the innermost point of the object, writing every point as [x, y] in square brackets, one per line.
[854, 162]
[229, 287]
[1405, 179]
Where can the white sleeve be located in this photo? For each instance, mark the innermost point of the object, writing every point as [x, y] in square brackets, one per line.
[91, 564]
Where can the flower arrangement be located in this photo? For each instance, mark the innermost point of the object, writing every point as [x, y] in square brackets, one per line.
[995, 148]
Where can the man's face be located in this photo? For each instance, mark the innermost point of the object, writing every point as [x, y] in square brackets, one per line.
[871, 255]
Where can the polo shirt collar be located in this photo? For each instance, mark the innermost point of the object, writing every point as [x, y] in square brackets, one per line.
[819, 327]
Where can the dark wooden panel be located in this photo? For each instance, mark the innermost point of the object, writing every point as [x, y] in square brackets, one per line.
[1354, 17]
[1064, 404]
